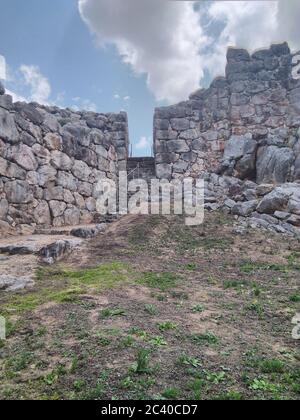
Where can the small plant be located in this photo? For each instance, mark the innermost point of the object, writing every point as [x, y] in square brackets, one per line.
[109, 313]
[126, 342]
[196, 385]
[215, 377]
[231, 396]
[150, 309]
[191, 267]
[206, 338]
[171, 393]
[198, 308]
[255, 307]
[294, 298]
[158, 341]
[235, 284]
[79, 385]
[127, 383]
[141, 365]
[166, 326]
[104, 341]
[262, 385]
[186, 360]
[272, 366]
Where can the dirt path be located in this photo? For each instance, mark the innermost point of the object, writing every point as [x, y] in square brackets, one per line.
[153, 309]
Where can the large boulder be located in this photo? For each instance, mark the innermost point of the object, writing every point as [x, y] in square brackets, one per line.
[61, 161]
[274, 164]
[23, 156]
[18, 192]
[42, 214]
[8, 129]
[277, 200]
[240, 156]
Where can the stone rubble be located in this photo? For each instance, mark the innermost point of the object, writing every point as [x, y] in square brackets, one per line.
[272, 207]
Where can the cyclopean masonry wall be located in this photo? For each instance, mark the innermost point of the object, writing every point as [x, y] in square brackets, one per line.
[51, 160]
[245, 124]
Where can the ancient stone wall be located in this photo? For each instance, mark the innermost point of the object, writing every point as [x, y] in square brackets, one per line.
[245, 124]
[51, 160]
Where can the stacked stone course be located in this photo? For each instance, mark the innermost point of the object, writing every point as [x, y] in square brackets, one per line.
[245, 124]
[51, 160]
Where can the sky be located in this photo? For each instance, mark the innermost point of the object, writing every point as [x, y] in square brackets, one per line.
[130, 55]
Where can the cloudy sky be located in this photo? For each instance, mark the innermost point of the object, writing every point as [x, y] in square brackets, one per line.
[132, 55]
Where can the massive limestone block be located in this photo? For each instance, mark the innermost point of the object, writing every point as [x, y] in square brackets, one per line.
[53, 141]
[11, 170]
[8, 129]
[240, 155]
[277, 200]
[177, 146]
[42, 154]
[42, 214]
[72, 216]
[23, 156]
[274, 164]
[54, 193]
[57, 208]
[180, 124]
[66, 180]
[61, 161]
[18, 192]
[46, 174]
[164, 171]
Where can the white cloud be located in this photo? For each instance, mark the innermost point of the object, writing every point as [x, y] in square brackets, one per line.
[83, 105]
[143, 143]
[117, 96]
[158, 38]
[174, 42]
[39, 85]
[126, 98]
[2, 68]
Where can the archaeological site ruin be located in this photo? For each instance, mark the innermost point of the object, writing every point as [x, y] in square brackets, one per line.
[242, 134]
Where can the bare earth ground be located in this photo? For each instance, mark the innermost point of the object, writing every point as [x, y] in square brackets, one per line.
[153, 309]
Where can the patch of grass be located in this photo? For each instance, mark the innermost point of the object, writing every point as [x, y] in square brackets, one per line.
[264, 386]
[255, 307]
[166, 326]
[191, 267]
[126, 342]
[75, 283]
[272, 366]
[250, 266]
[230, 396]
[19, 362]
[141, 365]
[158, 341]
[162, 281]
[110, 313]
[150, 309]
[185, 360]
[171, 393]
[198, 308]
[294, 298]
[196, 386]
[79, 385]
[207, 338]
[235, 284]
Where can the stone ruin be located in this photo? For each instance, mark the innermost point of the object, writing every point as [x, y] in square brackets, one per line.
[51, 161]
[242, 135]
